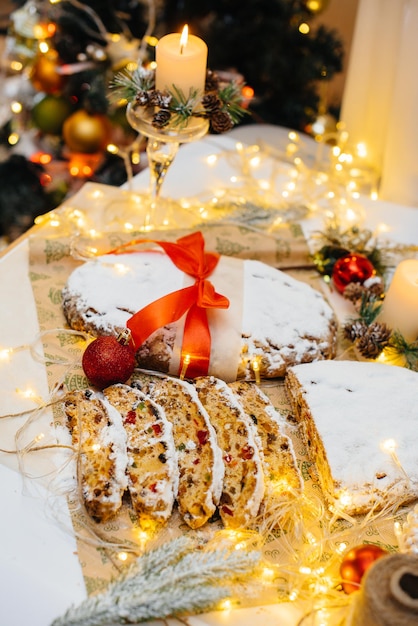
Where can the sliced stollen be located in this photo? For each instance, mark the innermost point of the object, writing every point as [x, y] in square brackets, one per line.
[152, 462]
[100, 441]
[243, 487]
[359, 421]
[199, 458]
[281, 473]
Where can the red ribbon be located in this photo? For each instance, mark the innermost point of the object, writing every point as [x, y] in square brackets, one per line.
[188, 254]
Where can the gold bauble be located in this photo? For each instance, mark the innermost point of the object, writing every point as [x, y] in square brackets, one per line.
[85, 132]
[45, 76]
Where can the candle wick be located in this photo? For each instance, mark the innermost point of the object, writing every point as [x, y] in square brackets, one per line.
[181, 48]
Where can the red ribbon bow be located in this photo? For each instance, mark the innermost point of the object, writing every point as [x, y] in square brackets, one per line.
[188, 254]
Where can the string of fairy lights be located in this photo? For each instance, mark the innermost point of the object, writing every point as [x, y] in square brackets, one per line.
[312, 539]
[309, 540]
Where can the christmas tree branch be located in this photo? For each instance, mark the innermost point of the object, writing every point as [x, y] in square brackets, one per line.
[179, 577]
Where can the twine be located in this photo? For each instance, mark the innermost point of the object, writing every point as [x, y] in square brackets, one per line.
[389, 594]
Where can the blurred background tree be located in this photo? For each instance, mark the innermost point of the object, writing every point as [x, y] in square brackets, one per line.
[61, 56]
[273, 44]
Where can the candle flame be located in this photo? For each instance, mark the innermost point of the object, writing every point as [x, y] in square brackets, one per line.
[184, 38]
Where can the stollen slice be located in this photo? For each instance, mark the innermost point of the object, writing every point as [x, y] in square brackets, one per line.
[243, 486]
[100, 441]
[199, 458]
[281, 473]
[152, 461]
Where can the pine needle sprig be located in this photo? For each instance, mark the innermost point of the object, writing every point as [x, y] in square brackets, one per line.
[370, 307]
[182, 106]
[399, 346]
[127, 84]
[176, 578]
[231, 98]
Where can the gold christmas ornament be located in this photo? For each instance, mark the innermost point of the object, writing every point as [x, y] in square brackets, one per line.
[45, 76]
[85, 132]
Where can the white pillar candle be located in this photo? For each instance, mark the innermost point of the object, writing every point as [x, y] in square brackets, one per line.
[400, 164]
[181, 63]
[371, 75]
[400, 306]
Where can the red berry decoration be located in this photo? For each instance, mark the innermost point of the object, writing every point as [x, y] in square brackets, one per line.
[355, 564]
[108, 360]
[351, 268]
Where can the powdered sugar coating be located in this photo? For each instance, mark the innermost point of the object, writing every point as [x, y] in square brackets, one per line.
[360, 410]
[114, 434]
[110, 289]
[284, 321]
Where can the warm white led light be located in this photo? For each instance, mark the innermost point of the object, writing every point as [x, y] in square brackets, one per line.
[389, 445]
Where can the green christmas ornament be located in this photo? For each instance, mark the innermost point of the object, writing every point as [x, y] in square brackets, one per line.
[50, 113]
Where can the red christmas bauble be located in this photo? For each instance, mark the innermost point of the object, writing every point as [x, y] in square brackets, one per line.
[351, 268]
[108, 360]
[355, 564]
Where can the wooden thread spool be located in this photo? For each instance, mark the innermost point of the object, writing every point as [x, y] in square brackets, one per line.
[389, 593]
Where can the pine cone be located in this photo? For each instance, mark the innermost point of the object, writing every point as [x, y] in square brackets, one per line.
[160, 99]
[353, 292]
[355, 330]
[211, 103]
[376, 338]
[212, 81]
[142, 98]
[375, 286]
[221, 122]
[161, 119]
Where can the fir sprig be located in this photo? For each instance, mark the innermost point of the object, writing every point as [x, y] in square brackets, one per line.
[399, 346]
[177, 578]
[231, 98]
[127, 84]
[181, 106]
[370, 307]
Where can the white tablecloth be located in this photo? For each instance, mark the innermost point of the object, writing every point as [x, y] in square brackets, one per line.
[40, 575]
